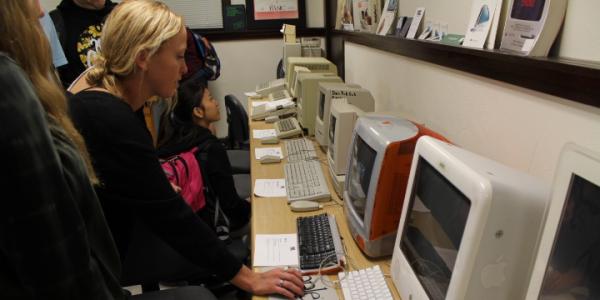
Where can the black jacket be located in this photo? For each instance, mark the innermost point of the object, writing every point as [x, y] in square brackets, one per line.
[134, 184]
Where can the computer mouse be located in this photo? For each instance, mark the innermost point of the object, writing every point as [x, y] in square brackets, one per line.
[305, 205]
[269, 140]
[269, 159]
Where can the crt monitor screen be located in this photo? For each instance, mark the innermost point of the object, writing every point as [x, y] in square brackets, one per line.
[359, 175]
[574, 262]
[436, 219]
[321, 111]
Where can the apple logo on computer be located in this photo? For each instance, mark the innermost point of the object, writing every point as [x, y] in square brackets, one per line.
[493, 275]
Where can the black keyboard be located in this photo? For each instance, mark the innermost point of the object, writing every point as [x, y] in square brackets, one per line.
[319, 242]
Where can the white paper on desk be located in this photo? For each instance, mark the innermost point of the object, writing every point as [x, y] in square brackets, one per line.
[257, 103]
[275, 250]
[251, 94]
[269, 188]
[263, 133]
[260, 152]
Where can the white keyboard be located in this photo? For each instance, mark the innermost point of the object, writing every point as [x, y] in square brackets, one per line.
[365, 284]
[288, 127]
[279, 95]
[300, 149]
[304, 180]
[268, 87]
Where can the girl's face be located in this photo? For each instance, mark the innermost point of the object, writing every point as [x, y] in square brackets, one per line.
[209, 112]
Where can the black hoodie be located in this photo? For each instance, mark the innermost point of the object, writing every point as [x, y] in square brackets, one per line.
[219, 172]
[82, 34]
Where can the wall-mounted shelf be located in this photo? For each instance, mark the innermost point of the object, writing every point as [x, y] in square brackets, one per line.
[571, 79]
[220, 35]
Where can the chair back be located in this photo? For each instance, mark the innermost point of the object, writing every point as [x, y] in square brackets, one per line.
[237, 119]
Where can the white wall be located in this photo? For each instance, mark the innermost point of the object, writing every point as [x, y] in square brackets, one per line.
[518, 127]
[243, 65]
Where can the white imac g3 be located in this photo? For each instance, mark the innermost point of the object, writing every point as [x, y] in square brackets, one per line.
[343, 116]
[568, 256]
[355, 95]
[307, 97]
[378, 167]
[314, 64]
[469, 227]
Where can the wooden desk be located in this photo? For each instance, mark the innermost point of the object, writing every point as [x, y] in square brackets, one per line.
[273, 216]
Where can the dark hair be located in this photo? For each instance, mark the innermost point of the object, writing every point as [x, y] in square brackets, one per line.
[177, 122]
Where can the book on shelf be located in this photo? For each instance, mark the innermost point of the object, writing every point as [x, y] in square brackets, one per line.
[365, 14]
[532, 26]
[388, 17]
[483, 15]
[344, 14]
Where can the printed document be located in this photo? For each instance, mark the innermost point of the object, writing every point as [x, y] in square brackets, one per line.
[260, 152]
[275, 250]
[269, 188]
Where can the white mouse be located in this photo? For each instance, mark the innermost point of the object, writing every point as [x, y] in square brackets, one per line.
[269, 159]
[269, 140]
[304, 205]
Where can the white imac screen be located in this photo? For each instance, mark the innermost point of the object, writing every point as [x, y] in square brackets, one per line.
[437, 215]
[573, 270]
[359, 175]
[332, 124]
[321, 106]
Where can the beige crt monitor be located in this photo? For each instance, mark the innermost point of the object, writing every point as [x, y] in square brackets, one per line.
[307, 97]
[294, 80]
[568, 255]
[356, 95]
[469, 227]
[342, 117]
[291, 50]
[314, 64]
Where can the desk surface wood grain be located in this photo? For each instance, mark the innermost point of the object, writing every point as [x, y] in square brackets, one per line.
[273, 215]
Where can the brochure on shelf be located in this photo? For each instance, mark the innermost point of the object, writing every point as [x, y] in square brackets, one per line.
[365, 14]
[427, 31]
[416, 23]
[482, 14]
[532, 26]
[344, 15]
[492, 36]
[405, 27]
[388, 17]
[399, 24]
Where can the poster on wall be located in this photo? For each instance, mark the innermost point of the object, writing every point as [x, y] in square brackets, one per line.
[272, 14]
[275, 9]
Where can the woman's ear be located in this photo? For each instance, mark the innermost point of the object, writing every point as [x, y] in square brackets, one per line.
[142, 60]
[198, 112]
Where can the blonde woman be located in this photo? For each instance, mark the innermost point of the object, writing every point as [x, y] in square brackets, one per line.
[142, 55]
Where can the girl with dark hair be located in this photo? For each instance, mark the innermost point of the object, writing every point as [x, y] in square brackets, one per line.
[185, 125]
